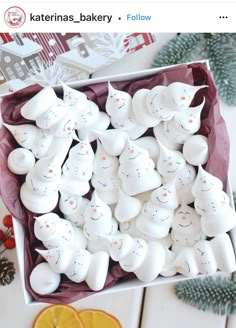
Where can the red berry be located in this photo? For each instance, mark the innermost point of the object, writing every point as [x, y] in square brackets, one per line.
[7, 221]
[10, 243]
[12, 231]
[1, 234]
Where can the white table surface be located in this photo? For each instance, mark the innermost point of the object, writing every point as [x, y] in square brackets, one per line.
[161, 308]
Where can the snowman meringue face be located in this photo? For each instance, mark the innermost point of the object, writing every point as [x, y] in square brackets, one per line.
[179, 96]
[24, 134]
[69, 203]
[166, 196]
[82, 151]
[205, 183]
[189, 121]
[97, 210]
[170, 162]
[117, 102]
[186, 220]
[48, 169]
[45, 226]
[104, 164]
[133, 153]
[119, 246]
[156, 104]
[73, 98]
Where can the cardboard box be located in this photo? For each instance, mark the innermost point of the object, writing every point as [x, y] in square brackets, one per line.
[133, 283]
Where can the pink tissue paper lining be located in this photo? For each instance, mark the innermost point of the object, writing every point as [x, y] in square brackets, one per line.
[212, 126]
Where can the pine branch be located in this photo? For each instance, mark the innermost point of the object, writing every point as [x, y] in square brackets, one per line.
[221, 52]
[182, 48]
[217, 295]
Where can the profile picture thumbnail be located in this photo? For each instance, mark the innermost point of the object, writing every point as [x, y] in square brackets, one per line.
[14, 17]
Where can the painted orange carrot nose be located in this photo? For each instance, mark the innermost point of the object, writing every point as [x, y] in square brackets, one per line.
[104, 158]
[70, 97]
[82, 146]
[204, 181]
[183, 98]
[183, 217]
[131, 151]
[50, 171]
[115, 242]
[94, 210]
[47, 225]
[190, 121]
[69, 128]
[170, 163]
[165, 194]
[71, 202]
[117, 99]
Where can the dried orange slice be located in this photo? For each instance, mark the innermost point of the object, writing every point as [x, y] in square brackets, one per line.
[99, 319]
[58, 316]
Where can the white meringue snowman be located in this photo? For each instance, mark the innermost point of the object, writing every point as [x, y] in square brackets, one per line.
[206, 257]
[98, 219]
[166, 196]
[56, 232]
[91, 268]
[105, 178]
[157, 213]
[189, 121]
[141, 112]
[178, 96]
[135, 255]
[59, 258]
[170, 162]
[184, 183]
[161, 133]
[119, 107]
[39, 141]
[53, 115]
[39, 192]
[34, 107]
[173, 133]
[77, 170]
[212, 203]
[137, 171]
[156, 104]
[186, 228]
[154, 221]
[79, 265]
[73, 208]
[85, 112]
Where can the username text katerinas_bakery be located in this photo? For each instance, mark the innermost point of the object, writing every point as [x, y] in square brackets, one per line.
[81, 17]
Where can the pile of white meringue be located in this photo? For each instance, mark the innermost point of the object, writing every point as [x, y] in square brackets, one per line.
[153, 208]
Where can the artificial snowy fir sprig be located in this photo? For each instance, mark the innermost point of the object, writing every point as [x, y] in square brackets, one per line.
[214, 294]
[218, 48]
